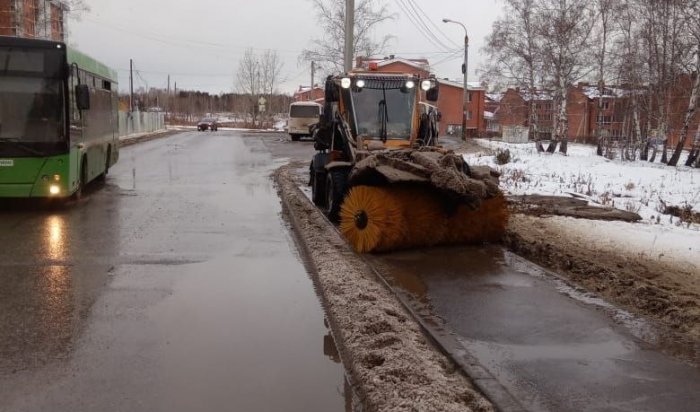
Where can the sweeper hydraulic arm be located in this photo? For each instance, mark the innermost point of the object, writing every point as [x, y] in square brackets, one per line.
[380, 173]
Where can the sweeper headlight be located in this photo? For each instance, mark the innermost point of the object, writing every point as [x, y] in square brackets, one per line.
[345, 82]
[426, 85]
[410, 84]
[360, 83]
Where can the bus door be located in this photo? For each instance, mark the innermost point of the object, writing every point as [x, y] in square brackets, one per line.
[76, 126]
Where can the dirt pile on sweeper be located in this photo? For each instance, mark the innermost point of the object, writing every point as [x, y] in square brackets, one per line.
[380, 173]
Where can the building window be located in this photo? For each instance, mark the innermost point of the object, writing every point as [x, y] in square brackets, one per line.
[469, 115]
[605, 105]
[604, 119]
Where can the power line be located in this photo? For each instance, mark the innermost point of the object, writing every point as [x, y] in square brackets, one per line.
[448, 38]
[452, 56]
[425, 26]
[418, 23]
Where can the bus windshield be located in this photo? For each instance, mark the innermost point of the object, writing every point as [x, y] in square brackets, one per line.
[31, 96]
[31, 109]
[385, 112]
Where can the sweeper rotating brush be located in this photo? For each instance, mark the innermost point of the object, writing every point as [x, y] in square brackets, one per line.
[379, 219]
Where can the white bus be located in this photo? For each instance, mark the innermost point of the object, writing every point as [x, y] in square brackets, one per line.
[302, 115]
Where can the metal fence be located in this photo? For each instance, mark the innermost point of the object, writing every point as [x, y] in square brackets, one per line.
[140, 122]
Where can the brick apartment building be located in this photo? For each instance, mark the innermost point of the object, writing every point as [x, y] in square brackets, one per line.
[587, 110]
[450, 105]
[36, 19]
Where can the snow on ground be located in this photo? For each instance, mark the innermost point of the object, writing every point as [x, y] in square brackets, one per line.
[638, 186]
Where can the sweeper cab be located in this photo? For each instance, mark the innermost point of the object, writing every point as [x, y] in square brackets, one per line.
[379, 170]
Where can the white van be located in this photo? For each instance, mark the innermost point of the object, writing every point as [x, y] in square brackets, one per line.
[302, 115]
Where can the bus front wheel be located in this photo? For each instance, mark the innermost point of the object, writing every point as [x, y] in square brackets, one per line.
[108, 159]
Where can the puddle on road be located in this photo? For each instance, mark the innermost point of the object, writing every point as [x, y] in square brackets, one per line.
[185, 294]
[553, 346]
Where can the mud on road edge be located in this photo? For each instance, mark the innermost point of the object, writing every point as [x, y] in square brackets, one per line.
[391, 364]
[148, 137]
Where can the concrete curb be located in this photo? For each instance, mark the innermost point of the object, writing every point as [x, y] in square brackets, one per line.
[480, 378]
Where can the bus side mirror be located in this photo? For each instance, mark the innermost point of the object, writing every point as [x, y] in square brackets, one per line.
[432, 94]
[82, 97]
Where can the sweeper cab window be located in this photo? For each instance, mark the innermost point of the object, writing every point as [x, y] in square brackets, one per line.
[383, 109]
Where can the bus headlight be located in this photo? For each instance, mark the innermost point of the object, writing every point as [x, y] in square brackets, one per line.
[54, 189]
[345, 82]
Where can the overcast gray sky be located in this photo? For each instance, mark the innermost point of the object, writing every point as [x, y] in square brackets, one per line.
[199, 43]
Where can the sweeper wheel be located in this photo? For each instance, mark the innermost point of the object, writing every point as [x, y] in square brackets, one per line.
[336, 187]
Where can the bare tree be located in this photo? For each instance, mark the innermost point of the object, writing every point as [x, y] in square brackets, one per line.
[328, 50]
[270, 74]
[604, 10]
[628, 63]
[693, 26]
[661, 30]
[565, 27]
[514, 52]
[76, 8]
[248, 80]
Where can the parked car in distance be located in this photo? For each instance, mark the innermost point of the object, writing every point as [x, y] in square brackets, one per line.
[208, 123]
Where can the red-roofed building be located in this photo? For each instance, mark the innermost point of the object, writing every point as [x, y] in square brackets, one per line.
[305, 94]
[450, 104]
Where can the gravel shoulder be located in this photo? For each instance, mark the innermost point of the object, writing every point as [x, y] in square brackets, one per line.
[391, 363]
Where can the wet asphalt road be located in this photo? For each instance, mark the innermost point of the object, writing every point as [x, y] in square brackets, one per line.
[175, 286]
[550, 346]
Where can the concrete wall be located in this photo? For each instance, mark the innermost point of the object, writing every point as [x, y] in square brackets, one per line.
[140, 122]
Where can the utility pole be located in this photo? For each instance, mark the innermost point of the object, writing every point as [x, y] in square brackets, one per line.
[465, 67]
[311, 92]
[131, 85]
[349, 33]
[167, 100]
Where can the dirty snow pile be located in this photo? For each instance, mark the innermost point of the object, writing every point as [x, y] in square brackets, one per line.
[639, 186]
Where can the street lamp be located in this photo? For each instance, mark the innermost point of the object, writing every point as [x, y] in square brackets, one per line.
[464, 71]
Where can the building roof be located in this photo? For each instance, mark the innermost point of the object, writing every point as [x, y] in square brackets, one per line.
[460, 84]
[420, 64]
[496, 97]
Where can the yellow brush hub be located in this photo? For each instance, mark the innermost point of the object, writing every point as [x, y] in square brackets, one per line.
[376, 219]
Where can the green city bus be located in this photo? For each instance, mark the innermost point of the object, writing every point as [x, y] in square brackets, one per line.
[58, 119]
